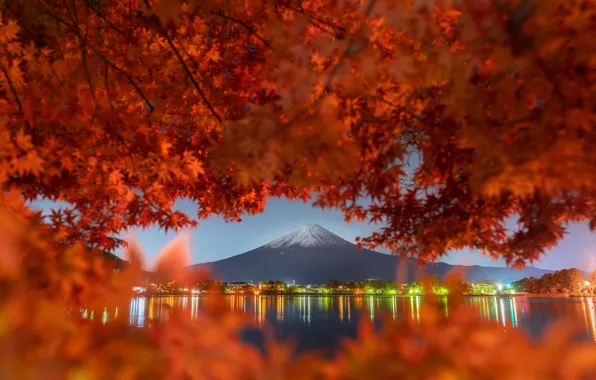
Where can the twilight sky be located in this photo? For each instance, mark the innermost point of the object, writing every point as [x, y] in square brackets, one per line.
[215, 239]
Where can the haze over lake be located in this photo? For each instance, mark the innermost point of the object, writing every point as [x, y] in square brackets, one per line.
[321, 322]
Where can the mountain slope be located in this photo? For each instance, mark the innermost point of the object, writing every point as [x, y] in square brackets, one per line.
[314, 255]
[310, 236]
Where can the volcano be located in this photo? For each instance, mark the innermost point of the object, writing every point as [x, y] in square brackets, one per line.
[315, 255]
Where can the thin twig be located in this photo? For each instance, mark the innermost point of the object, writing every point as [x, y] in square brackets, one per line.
[250, 29]
[115, 28]
[110, 24]
[20, 105]
[40, 44]
[94, 50]
[86, 69]
[15, 95]
[184, 65]
[337, 31]
[347, 51]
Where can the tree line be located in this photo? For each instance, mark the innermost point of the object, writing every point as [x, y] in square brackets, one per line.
[570, 281]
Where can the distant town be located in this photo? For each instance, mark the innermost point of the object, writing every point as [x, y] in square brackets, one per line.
[369, 287]
[561, 282]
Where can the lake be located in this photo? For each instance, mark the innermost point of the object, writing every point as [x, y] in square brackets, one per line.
[320, 322]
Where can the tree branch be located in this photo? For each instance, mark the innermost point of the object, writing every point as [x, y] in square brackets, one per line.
[346, 53]
[103, 58]
[110, 24]
[184, 65]
[16, 96]
[250, 29]
[337, 31]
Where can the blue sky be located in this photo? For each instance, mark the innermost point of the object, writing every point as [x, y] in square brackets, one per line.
[215, 239]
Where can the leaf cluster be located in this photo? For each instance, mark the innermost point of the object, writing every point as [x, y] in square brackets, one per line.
[451, 117]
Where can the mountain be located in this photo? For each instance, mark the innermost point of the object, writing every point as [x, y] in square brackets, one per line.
[313, 236]
[116, 261]
[314, 255]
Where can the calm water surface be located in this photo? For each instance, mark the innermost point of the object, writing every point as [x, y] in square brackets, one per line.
[321, 322]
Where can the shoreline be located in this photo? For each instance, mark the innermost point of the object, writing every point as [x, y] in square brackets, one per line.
[529, 295]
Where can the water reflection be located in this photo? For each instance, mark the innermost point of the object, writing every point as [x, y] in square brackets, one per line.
[531, 314]
[588, 308]
[502, 310]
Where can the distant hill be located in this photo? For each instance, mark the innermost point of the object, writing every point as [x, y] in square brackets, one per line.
[314, 255]
[120, 264]
[115, 260]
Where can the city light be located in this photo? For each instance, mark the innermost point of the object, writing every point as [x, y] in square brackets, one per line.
[369, 287]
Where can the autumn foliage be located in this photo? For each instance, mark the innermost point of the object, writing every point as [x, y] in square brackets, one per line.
[451, 119]
[464, 123]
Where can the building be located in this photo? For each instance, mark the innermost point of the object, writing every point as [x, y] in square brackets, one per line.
[271, 286]
[239, 287]
[485, 288]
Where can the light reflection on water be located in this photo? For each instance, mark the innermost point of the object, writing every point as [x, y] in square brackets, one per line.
[528, 313]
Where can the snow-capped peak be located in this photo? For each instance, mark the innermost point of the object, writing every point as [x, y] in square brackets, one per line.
[309, 236]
